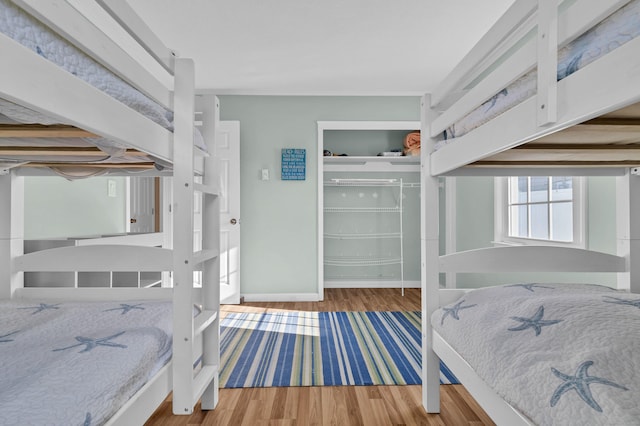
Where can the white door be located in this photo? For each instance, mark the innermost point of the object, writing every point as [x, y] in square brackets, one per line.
[141, 204]
[228, 150]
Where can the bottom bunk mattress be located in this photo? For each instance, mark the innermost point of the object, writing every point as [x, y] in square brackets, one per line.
[558, 353]
[77, 363]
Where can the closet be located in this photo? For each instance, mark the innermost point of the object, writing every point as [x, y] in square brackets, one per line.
[369, 227]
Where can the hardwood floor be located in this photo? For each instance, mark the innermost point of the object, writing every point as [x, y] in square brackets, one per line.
[333, 405]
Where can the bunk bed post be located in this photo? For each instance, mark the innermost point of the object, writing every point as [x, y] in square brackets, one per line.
[628, 229]
[209, 106]
[182, 228]
[430, 257]
[11, 232]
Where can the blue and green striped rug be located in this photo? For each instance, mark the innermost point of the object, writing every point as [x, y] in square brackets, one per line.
[295, 348]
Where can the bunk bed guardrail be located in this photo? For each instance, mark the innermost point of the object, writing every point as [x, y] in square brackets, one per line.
[524, 40]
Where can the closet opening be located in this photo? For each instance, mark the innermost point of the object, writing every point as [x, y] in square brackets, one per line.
[368, 205]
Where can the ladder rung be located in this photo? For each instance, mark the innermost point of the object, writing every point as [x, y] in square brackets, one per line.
[199, 152]
[204, 320]
[202, 380]
[206, 189]
[204, 255]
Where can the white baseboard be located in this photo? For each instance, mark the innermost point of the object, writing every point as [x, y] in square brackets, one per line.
[370, 284]
[314, 297]
[281, 297]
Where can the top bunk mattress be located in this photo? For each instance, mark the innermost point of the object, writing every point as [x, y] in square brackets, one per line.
[617, 29]
[31, 33]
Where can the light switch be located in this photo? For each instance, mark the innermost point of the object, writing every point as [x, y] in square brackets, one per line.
[264, 174]
[111, 188]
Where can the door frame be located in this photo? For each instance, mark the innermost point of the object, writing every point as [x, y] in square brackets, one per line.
[233, 253]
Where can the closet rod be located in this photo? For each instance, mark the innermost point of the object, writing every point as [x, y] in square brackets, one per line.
[371, 180]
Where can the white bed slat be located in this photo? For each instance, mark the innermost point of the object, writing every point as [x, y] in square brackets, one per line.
[126, 16]
[497, 408]
[96, 258]
[204, 320]
[507, 32]
[537, 171]
[574, 22]
[206, 376]
[204, 255]
[151, 239]
[583, 95]
[519, 12]
[68, 22]
[32, 81]
[583, 15]
[207, 189]
[93, 293]
[531, 259]
[514, 67]
[144, 403]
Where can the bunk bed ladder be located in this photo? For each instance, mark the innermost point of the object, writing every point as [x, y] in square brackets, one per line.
[202, 329]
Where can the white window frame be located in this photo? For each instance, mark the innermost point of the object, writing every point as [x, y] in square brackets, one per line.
[501, 220]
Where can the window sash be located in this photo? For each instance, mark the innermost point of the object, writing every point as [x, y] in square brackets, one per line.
[577, 220]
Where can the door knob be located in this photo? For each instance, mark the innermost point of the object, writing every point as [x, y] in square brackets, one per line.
[233, 221]
[133, 220]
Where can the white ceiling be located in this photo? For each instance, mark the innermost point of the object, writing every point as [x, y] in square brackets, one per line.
[321, 47]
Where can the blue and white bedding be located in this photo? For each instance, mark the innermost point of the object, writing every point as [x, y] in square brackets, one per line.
[617, 29]
[31, 33]
[561, 354]
[77, 363]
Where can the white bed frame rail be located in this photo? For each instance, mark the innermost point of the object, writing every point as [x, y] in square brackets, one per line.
[583, 95]
[531, 259]
[31, 81]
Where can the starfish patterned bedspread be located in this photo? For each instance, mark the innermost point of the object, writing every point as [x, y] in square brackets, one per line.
[77, 363]
[561, 354]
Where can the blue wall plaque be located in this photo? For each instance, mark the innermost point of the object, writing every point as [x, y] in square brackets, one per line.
[294, 163]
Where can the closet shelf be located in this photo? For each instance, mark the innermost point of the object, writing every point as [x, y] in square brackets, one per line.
[362, 182]
[353, 159]
[371, 164]
[361, 261]
[396, 209]
[363, 236]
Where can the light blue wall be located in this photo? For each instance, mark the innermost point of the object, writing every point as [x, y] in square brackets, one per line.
[279, 218]
[475, 229]
[58, 208]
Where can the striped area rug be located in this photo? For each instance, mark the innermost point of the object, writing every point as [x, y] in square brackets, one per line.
[294, 348]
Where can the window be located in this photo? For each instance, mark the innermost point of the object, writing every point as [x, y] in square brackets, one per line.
[540, 210]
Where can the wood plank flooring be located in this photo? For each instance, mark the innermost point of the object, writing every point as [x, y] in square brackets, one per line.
[333, 405]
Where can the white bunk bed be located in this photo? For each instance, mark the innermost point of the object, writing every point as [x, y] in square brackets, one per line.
[27, 79]
[581, 122]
